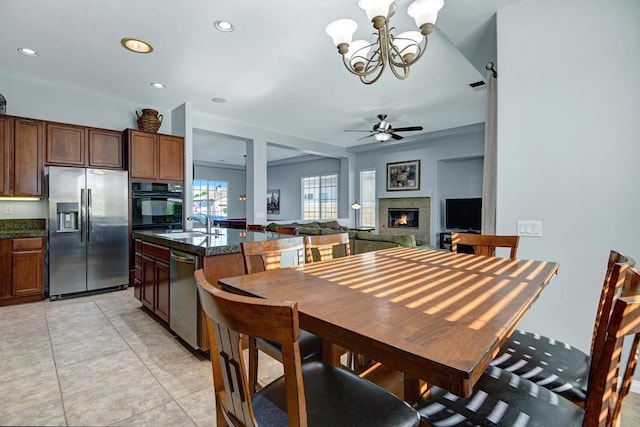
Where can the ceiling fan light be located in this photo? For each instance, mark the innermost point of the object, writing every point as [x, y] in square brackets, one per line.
[374, 8]
[425, 11]
[382, 137]
[341, 31]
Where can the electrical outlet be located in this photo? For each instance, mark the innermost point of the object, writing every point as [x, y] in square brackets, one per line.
[529, 228]
[8, 210]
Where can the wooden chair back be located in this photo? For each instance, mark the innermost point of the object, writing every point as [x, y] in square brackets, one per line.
[281, 229]
[612, 287]
[256, 227]
[267, 255]
[604, 394]
[229, 316]
[321, 247]
[485, 244]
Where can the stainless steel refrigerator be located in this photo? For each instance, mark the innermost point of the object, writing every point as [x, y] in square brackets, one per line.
[88, 230]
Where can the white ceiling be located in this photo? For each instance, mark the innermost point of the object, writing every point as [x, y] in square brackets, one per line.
[278, 70]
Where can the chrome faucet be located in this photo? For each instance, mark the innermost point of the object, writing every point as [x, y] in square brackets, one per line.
[206, 222]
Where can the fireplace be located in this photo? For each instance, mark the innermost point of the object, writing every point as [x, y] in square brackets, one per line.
[403, 218]
[417, 209]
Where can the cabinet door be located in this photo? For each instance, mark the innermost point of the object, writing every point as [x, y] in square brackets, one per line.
[66, 145]
[171, 158]
[6, 156]
[162, 290]
[148, 282]
[105, 149]
[142, 155]
[28, 166]
[27, 267]
[5, 268]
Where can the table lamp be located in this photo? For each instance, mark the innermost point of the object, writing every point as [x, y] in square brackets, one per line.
[356, 206]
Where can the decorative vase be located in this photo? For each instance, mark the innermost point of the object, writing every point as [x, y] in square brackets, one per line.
[149, 120]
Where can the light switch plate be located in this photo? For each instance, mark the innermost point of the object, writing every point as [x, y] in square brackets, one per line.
[529, 228]
[8, 209]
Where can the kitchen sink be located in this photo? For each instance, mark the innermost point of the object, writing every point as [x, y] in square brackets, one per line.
[182, 235]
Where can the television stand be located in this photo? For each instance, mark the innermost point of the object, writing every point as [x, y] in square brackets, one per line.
[445, 242]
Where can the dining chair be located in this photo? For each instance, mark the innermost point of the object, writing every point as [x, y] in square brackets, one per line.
[556, 365]
[287, 230]
[264, 256]
[505, 399]
[256, 227]
[485, 244]
[323, 247]
[313, 394]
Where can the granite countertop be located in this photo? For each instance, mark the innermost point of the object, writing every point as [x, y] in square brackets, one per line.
[227, 242]
[17, 228]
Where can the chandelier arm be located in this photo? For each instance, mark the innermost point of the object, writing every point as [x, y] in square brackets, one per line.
[421, 50]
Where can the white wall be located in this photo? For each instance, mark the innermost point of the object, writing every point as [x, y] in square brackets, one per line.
[460, 143]
[569, 147]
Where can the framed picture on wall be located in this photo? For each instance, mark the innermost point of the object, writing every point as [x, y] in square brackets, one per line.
[403, 176]
[273, 202]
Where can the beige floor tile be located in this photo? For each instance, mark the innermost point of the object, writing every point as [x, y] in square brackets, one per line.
[23, 323]
[110, 403]
[42, 414]
[103, 343]
[62, 334]
[169, 415]
[120, 368]
[200, 406]
[184, 375]
[26, 392]
[72, 313]
[18, 345]
[33, 364]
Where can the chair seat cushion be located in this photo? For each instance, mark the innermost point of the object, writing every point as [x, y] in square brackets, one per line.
[503, 399]
[551, 364]
[310, 346]
[335, 397]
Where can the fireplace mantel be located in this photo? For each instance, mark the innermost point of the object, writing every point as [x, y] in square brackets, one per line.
[422, 233]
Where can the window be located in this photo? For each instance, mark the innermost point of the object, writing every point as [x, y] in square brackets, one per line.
[320, 197]
[210, 198]
[368, 198]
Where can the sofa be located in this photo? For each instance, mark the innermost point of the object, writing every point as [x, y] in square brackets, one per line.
[360, 241]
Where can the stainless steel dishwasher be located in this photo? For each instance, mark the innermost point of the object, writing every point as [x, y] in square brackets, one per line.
[183, 297]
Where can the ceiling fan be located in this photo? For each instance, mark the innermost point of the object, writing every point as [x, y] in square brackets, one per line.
[383, 131]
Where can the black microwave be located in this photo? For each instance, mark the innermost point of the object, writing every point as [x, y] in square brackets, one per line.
[156, 205]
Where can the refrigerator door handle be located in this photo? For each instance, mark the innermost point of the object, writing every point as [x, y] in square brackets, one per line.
[89, 215]
[82, 215]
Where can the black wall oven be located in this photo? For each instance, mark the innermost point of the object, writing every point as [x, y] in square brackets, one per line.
[156, 205]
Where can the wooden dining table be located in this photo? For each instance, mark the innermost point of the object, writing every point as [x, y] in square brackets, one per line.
[436, 316]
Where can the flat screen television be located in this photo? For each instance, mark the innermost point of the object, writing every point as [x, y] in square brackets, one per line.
[463, 214]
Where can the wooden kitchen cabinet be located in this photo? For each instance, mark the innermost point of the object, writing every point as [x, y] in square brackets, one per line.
[21, 148]
[155, 156]
[154, 289]
[22, 270]
[70, 145]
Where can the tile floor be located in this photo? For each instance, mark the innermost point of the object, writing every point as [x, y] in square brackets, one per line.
[100, 360]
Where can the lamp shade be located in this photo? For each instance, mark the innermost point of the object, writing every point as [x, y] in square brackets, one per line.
[425, 11]
[341, 30]
[355, 205]
[375, 8]
[408, 42]
[382, 137]
[358, 51]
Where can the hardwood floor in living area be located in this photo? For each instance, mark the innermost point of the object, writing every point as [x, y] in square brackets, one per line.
[100, 360]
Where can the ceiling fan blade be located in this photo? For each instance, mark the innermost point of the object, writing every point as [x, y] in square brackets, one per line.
[356, 130]
[407, 129]
[364, 137]
[396, 136]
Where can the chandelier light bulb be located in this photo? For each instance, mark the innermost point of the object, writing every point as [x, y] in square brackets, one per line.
[375, 8]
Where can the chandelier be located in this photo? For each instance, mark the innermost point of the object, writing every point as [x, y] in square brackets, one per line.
[368, 60]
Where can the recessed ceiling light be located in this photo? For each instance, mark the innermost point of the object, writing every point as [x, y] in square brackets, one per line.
[136, 45]
[158, 85]
[27, 51]
[219, 100]
[224, 26]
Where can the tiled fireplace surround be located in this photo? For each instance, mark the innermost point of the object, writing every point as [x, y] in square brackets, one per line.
[422, 203]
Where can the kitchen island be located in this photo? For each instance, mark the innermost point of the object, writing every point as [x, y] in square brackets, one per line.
[159, 277]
